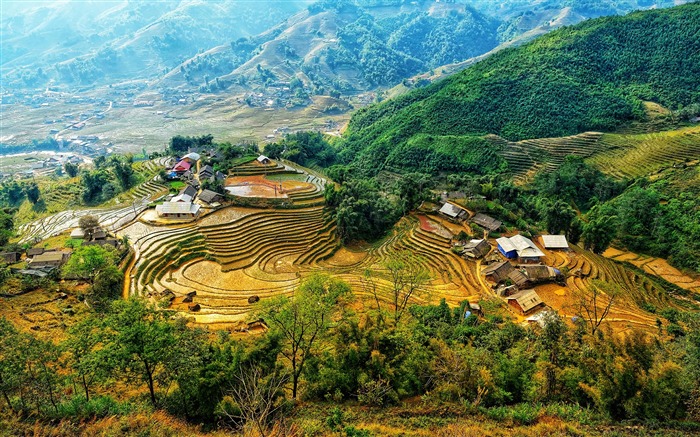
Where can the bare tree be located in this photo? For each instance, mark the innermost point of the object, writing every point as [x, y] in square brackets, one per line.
[407, 275]
[594, 305]
[258, 397]
[369, 285]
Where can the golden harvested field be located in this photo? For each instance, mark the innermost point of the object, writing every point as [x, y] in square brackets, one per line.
[656, 266]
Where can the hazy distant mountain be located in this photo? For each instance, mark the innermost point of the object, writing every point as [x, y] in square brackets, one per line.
[232, 46]
[98, 42]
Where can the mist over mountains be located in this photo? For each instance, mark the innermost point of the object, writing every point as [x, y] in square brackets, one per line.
[234, 46]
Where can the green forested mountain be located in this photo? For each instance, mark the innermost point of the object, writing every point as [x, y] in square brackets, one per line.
[592, 76]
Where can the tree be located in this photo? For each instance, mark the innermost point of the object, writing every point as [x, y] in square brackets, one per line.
[594, 305]
[97, 265]
[71, 169]
[406, 275]
[412, 188]
[302, 320]
[124, 172]
[575, 231]
[32, 192]
[88, 223]
[6, 225]
[142, 342]
[84, 355]
[257, 395]
[600, 230]
[557, 216]
[11, 361]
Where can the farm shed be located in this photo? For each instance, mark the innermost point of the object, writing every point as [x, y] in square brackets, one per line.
[555, 242]
[262, 159]
[452, 211]
[525, 301]
[210, 196]
[10, 257]
[77, 233]
[476, 249]
[487, 222]
[498, 272]
[177, 210]
[99, 234]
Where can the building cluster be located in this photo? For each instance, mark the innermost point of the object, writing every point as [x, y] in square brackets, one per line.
[187, 204]
[515, 266]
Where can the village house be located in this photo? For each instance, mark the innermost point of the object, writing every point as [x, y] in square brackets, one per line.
[475, 249]
[178, 210]
[182, 167]
[206, 172]
[525, 301]
[10, 257]
[486, 222]
[445, 196]
[453, 212]
[191, 157]
[540, 273]
[182, 197]
[555, 242]
[190, 191]
[518, 278]
[48, 259]
[519, 247]
[35, 251]
[210, 197]
[498, 272]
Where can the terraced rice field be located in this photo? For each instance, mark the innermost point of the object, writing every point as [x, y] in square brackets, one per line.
[656, 266]
[643, 154]
[112, 218]
[527, 157]
[584, 267]
[235, 253]
[622, 155]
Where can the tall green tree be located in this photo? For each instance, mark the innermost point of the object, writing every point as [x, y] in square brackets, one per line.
[71, 169]
[85, 355]
[142, 343]
[302, 321]
[600, 230]
[32, 192]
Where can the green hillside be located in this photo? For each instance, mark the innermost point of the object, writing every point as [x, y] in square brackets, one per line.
[591, 77]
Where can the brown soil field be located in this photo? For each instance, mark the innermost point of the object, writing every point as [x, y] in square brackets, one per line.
[429, 225]
[260, 186]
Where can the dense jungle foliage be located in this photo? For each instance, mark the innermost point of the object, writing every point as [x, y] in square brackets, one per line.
[592, 76]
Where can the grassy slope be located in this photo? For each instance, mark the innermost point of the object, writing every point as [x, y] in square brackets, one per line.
[593, 76]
